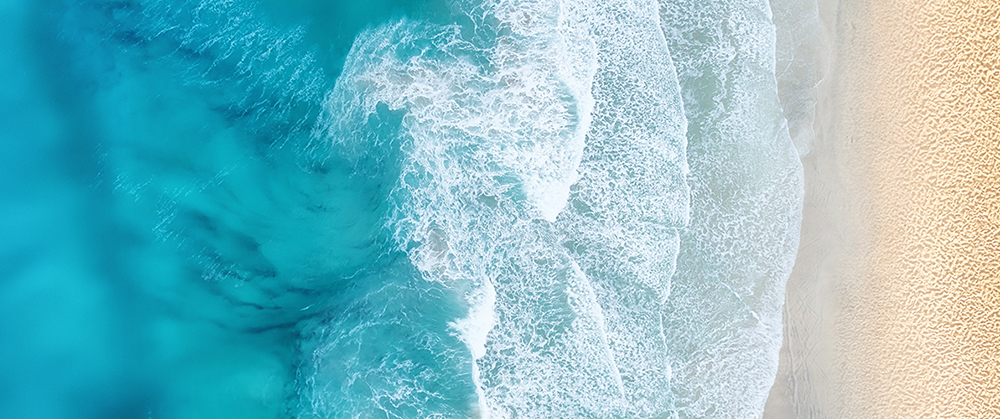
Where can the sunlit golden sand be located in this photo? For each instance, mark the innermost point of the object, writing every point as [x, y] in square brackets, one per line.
[902, 220]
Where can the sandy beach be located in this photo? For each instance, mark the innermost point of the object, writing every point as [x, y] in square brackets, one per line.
[893, 309]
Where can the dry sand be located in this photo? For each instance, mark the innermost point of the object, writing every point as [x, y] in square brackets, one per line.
[893, 308]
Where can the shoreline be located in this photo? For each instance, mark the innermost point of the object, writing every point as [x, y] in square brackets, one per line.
[808, 383]
[893, 307]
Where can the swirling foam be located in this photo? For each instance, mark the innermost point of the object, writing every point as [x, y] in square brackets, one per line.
[480, 141]
[562, 317]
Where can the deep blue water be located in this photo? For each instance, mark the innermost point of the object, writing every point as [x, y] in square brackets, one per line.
[391, 209]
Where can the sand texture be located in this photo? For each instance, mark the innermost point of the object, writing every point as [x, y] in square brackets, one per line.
[893, 310]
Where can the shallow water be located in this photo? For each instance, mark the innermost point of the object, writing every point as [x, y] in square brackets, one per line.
[404, 209]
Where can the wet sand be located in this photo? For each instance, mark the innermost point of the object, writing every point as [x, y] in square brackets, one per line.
[893, 309]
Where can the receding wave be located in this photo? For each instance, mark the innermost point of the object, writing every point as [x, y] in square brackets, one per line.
[723, 318]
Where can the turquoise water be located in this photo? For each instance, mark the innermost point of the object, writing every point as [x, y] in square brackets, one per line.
[391, 209]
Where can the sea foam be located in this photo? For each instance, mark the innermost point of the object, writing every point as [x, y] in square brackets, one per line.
[493, 128]
[488, 147]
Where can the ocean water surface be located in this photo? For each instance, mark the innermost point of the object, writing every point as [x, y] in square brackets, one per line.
[392, 209]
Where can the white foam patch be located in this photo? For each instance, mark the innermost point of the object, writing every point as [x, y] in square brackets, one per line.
[632, 197]
[482, 140]
[563, 301]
